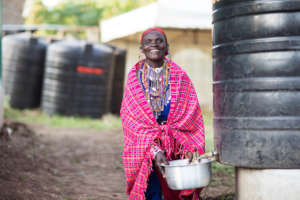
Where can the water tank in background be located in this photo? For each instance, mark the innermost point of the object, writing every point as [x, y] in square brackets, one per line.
[23, 58]
[77, 79]
[256, 61]
[118, 80]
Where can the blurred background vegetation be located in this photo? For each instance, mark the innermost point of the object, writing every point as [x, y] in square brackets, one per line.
[80, 12]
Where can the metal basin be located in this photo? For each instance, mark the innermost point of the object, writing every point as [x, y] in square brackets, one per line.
[180, 174]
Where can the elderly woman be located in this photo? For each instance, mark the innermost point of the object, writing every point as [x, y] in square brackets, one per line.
[161, 120]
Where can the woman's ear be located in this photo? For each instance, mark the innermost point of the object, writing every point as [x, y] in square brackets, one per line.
[167, 49]
[141, 54]
[141, 49]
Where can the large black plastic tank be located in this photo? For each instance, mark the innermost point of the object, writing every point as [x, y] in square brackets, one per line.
[23, 58]
[256, 61]
[118, 80]
[76, 79]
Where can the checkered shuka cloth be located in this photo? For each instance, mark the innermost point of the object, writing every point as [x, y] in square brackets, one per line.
[184, 127]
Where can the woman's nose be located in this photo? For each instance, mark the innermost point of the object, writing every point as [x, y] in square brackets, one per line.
[153, 43]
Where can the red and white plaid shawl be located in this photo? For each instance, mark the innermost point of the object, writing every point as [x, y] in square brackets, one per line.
[184, 126]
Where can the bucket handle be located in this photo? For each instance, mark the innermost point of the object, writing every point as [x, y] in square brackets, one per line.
[211, 155]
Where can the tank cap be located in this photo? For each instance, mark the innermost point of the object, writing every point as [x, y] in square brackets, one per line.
[33, 40]
[52, 40]
[88, 47]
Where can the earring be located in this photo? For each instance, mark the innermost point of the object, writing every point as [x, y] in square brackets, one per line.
[169, 55]
[141, 56]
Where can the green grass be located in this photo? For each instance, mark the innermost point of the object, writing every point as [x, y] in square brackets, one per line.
[107, 122]
[208, 125]
[219, 168]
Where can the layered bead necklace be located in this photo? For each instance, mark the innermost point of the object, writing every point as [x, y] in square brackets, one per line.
[155, 82]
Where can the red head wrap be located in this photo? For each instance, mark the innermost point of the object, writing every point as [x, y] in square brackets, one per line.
[154, 29]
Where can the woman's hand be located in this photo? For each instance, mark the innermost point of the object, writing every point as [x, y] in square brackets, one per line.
[160, 158]
[189, 155]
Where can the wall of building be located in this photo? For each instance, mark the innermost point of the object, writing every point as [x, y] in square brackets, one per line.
[12, 11]
[189, 49]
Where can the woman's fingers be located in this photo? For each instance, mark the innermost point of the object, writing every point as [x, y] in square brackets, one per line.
[160, 158]
[164, 160]
[189, 155]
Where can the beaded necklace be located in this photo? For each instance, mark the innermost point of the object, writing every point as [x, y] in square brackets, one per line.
[155, 83]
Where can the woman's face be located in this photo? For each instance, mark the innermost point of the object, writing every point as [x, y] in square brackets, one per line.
[154, 46]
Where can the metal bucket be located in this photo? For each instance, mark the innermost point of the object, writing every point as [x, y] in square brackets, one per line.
[180, 174]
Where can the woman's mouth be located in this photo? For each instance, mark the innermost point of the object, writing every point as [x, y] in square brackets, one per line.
[154, 54]
[154, 50]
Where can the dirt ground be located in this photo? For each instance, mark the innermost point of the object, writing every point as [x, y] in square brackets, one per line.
[45, 163]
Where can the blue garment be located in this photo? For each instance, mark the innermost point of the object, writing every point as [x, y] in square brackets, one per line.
[164, 114]
[153, 191]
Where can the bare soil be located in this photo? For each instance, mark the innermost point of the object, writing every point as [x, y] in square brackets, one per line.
[46, 163]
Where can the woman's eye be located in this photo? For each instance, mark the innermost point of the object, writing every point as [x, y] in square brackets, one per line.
[148, 42]
[156, 41]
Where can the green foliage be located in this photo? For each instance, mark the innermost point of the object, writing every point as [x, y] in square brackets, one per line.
[37, 13]
[81, 12]
[71, 13]
[76, 13]
[116, 7]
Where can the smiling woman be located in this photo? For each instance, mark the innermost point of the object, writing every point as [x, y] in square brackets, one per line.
[155, 47]
[161, 120]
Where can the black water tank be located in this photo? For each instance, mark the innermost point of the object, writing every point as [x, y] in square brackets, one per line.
[256, 61]
[118, 80]
[23, 58]
[76, 79]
